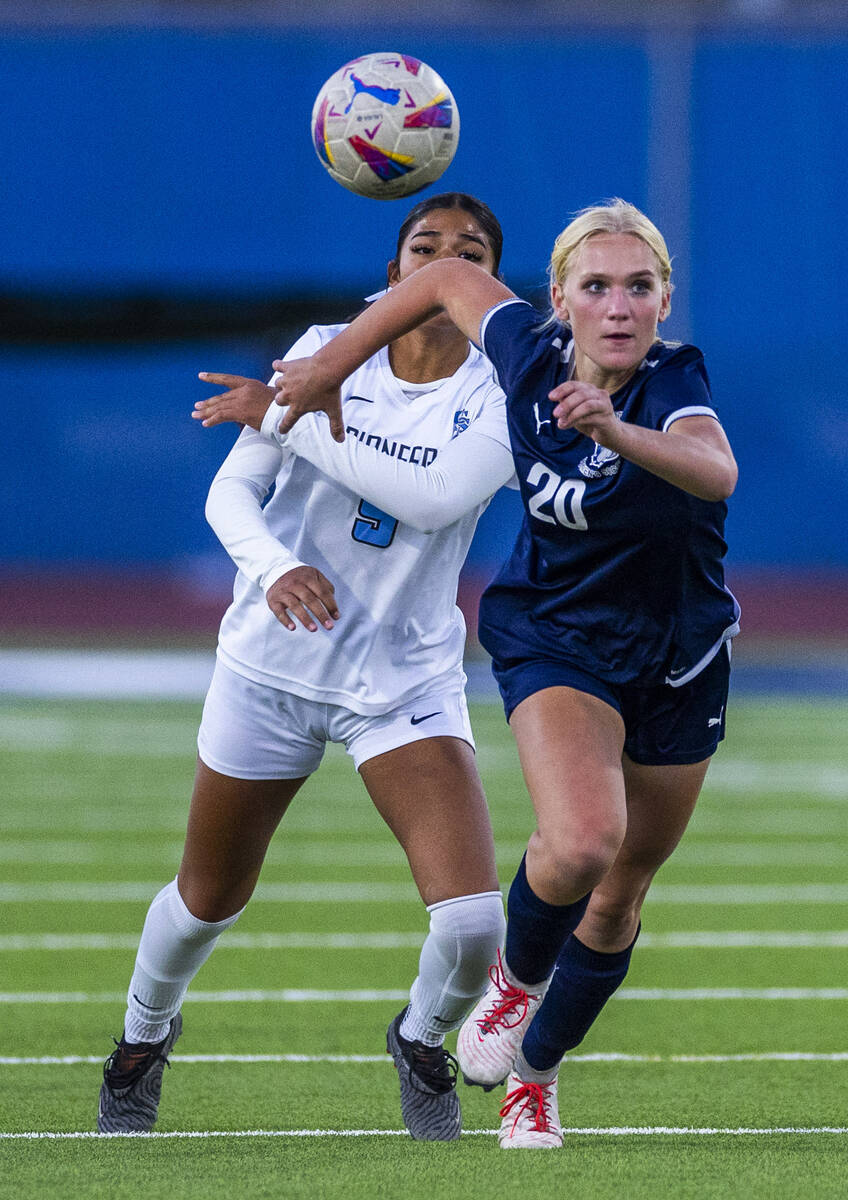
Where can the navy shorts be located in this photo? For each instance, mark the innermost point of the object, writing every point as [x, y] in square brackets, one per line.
[663, 725]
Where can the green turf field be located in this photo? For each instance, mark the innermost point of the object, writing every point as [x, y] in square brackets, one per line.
[719, 1070]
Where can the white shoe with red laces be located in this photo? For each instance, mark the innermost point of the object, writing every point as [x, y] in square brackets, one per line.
[494, 1029]
[530, 1116]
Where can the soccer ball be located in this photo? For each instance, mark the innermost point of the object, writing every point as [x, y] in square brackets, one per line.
[385, 126]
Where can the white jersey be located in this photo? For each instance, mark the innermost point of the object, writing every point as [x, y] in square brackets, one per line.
[394, 567]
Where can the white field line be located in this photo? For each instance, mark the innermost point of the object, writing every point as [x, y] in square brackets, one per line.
[700, 940]
[232, 941]
[56, 804]
[755, 821]
[244, 996]
[393, 893]
[609, 1131]
[111, 737]
[275, 893]
[785, 778]
[72, 1060]
[374, 853]
[365, 996]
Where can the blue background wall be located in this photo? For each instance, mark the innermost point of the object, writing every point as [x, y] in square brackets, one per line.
[173, 163]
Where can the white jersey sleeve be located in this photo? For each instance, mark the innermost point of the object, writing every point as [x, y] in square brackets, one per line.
[467, 473]
[400, 633]
[234, 510]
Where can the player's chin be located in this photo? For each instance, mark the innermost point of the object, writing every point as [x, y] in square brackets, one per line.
[620, 352]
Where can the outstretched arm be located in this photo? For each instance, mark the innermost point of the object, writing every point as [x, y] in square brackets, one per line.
[466, 473]
[460, 288]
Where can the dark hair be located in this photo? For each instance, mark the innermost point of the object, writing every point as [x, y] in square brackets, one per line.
[481, 213]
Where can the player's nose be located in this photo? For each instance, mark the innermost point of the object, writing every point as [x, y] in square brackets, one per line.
[617, 305]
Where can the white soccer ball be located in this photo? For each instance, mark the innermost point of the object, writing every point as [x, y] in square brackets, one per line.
[385, 126]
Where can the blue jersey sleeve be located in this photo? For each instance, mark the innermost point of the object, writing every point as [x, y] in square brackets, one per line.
[511, 339]
[679, 388]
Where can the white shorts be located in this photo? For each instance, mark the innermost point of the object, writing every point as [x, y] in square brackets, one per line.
[251, 731]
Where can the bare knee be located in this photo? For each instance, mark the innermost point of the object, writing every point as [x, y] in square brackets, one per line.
[214, 900]
[568, 864]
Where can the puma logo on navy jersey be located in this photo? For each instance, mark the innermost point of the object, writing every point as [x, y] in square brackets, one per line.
[539, 421]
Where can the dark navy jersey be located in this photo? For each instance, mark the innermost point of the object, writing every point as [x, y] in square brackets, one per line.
[614, 569]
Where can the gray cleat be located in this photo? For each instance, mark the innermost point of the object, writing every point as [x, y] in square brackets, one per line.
[428, 1100]
[132, 1083]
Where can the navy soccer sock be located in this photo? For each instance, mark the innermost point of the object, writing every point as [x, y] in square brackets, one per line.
[535, 930]
[583, 981]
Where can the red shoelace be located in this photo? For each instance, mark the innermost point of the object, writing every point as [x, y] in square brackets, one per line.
[513, 1003]
[532, 1096]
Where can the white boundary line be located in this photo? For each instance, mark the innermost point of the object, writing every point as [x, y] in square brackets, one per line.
[72, 1060]
[695, 852]
[364, 996]
[609, 1131]
[393, 893]
[236, 940]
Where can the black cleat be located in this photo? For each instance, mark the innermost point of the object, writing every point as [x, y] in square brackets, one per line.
[132, 1083]
[428, 1100]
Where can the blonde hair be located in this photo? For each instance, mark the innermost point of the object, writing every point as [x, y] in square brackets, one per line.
[613, 216]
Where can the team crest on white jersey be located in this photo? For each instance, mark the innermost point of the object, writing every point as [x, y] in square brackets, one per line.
[461, 421]
[600, 463]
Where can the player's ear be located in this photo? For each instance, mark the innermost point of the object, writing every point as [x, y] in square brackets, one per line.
[665, 307]
[558, 302]
[392, 273]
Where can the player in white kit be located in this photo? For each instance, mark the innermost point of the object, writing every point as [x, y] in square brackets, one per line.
[344, 628]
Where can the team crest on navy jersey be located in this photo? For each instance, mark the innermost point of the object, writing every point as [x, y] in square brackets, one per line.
[600, 463]
[461, 421]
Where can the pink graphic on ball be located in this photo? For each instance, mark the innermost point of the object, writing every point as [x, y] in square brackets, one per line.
[383, 163]
[438, 114]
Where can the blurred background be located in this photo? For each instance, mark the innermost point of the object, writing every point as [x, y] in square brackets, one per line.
[162, 211]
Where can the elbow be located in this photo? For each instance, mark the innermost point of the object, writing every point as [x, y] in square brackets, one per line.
[435, 519]
[428, 524]
[728, 479]
[449, 276]
[722, 483]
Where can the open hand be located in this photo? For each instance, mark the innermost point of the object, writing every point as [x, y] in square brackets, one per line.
[246, 401]
[306, 593]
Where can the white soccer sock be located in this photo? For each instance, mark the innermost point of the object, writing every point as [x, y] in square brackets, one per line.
[465, 934]
[174, 946]
[528, 1074]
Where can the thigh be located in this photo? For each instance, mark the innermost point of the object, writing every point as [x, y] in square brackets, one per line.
[430, 795]
[660, 802]
[570, 747]
[230, 823]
